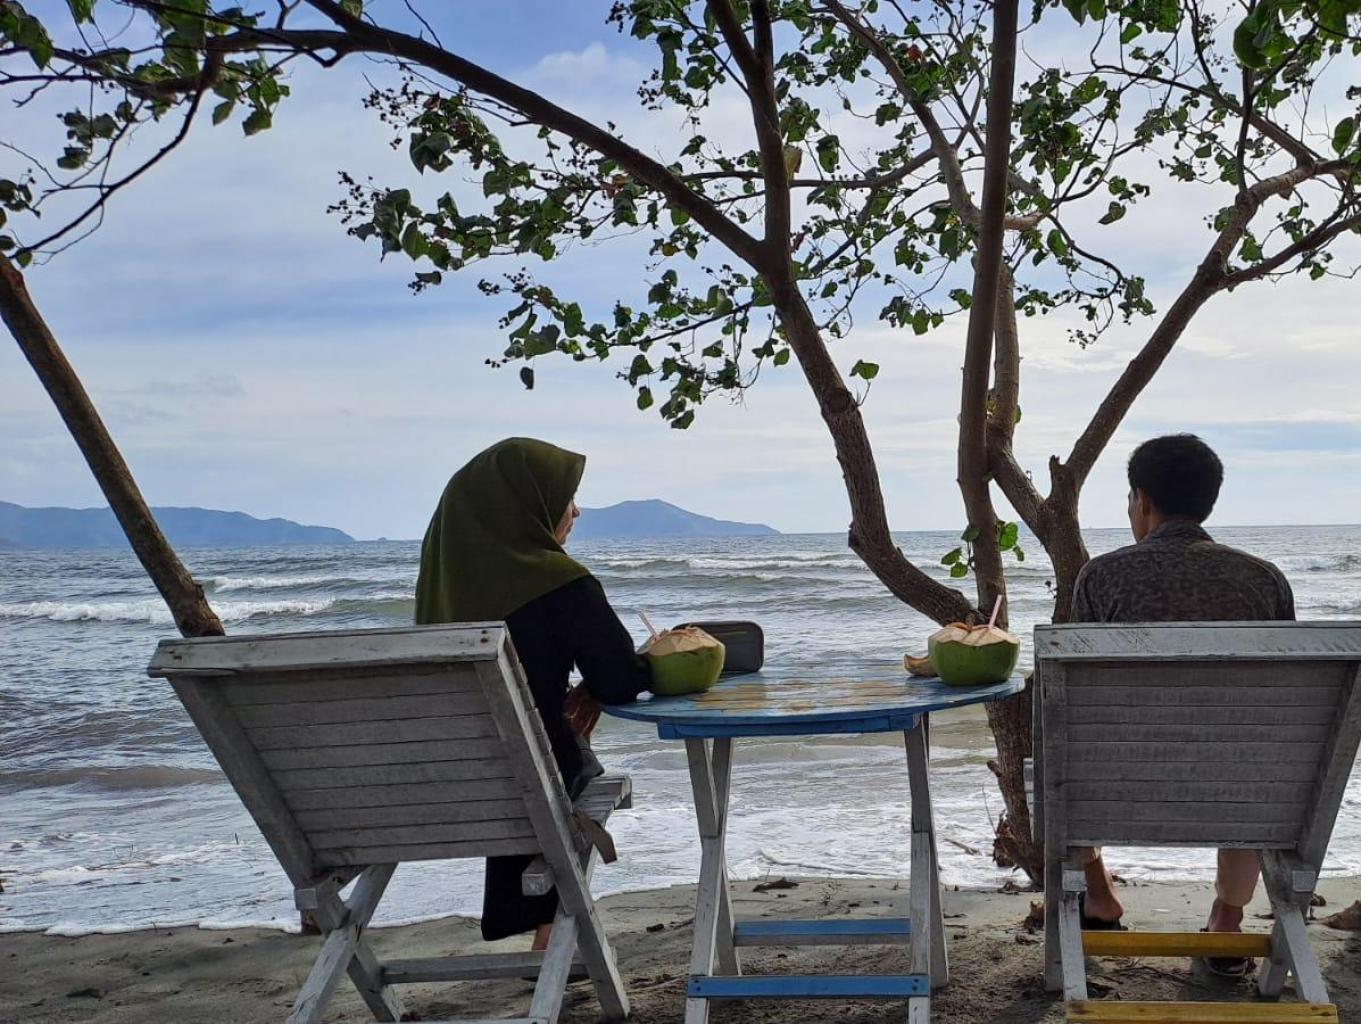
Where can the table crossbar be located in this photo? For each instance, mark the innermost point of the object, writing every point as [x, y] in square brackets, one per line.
[811, 986]
[832, 932]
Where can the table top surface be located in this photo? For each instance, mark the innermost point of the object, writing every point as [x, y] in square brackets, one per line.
[875, 696]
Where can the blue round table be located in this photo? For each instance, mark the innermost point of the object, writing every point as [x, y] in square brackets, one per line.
[867, 697]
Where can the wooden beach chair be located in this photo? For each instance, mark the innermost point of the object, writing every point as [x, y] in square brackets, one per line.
[1203, 735]
[356, 751]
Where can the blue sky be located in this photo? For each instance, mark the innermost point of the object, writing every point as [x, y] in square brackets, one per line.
[247, 355]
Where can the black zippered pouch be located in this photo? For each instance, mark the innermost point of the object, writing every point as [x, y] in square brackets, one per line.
[744, 644]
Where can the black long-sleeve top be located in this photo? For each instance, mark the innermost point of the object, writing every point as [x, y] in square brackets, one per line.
[571, 626]
[575, 626]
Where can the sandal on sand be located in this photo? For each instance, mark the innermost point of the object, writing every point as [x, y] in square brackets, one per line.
[1095, 924]
[1234, 968]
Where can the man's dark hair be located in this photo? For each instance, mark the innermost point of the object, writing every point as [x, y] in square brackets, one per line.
[1180, 473]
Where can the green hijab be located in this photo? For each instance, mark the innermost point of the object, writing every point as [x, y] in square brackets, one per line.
[490, 547]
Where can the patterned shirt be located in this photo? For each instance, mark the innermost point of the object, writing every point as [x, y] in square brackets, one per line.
[1177, 573]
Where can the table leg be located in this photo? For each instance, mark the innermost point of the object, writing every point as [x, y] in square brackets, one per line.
[927, 944]
[710, 775]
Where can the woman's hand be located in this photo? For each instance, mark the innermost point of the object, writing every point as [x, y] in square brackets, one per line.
[582, 711]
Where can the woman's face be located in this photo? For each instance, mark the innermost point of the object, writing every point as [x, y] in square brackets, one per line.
[565, 524]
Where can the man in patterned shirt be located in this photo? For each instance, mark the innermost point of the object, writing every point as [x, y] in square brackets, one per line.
[1175, 572]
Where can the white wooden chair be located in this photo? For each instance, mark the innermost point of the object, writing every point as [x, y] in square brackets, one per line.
[1204, 735]
[356, 751]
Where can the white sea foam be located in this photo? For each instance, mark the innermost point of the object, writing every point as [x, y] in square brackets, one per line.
[153, 611]
[137, 808]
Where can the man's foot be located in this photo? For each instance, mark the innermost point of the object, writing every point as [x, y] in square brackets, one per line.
[1090, 922]
[1226, 918]
[1100, 908]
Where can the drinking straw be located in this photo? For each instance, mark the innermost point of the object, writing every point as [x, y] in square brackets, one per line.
[996, 608]
[648, 623]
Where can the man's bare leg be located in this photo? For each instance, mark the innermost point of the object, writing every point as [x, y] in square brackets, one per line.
[1234, 885]
[1100, 901]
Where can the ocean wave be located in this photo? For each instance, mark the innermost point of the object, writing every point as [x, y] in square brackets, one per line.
[153, 611]
[1330, 564]
[122, 778]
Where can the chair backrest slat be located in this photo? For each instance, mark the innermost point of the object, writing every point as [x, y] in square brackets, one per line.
[1172, 735]
[377, 746]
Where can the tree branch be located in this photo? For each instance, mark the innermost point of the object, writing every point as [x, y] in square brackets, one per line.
[372, 38]
[973, 413]
[947, 156]
[758, 69]
[1210, 277]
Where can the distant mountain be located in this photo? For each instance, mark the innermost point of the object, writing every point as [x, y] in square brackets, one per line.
[184, 527]
[656, 518]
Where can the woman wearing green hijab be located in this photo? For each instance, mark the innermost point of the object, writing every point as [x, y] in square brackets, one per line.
[494, 551]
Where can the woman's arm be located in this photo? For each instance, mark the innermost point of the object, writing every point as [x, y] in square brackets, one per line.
[611, 670]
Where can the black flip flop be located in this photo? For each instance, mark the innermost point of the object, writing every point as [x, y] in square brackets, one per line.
[1232, 968]
[1095, 924]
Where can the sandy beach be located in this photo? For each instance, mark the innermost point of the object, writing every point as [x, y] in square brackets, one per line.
[191, 975]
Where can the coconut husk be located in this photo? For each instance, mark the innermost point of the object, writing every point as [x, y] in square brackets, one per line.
[680, 641]
[919, 665]
[977, 636]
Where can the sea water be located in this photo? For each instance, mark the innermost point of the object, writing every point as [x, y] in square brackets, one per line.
[113, 815]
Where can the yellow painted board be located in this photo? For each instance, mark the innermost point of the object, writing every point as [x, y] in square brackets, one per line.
[1175, 944]
[1116, 1011]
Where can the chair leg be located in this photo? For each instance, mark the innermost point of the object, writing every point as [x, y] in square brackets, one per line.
[345, 950]
[1070, 930]
[1053, 896]
[1272, 976]
[551, 986]
[575, 903]
[1290, 949]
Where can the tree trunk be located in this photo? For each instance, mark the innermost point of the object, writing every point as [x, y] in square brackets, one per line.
[1010, 720]
[184, 597]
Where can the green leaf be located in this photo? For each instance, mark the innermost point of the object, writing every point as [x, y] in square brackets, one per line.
[969, 535]
[1006, 539]
[958, 571]
[829, 153]
[864, 370]
[28, 32]
[355, 8]
[258, 121]
[527, 377]
[81, 10]
[781, 357]
[543, 341]
[1020, 555]
[952, 557]
[645, 398]
[1343, 135]
[23, 257]
[1113, 213]
[413, 242]
[1130, 33]
[1245, 44]
[223, 111]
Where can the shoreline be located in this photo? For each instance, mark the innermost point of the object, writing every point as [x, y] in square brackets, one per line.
[188, 973]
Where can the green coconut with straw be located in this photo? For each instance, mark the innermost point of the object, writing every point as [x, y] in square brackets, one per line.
[965, 655]
[683, 660]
